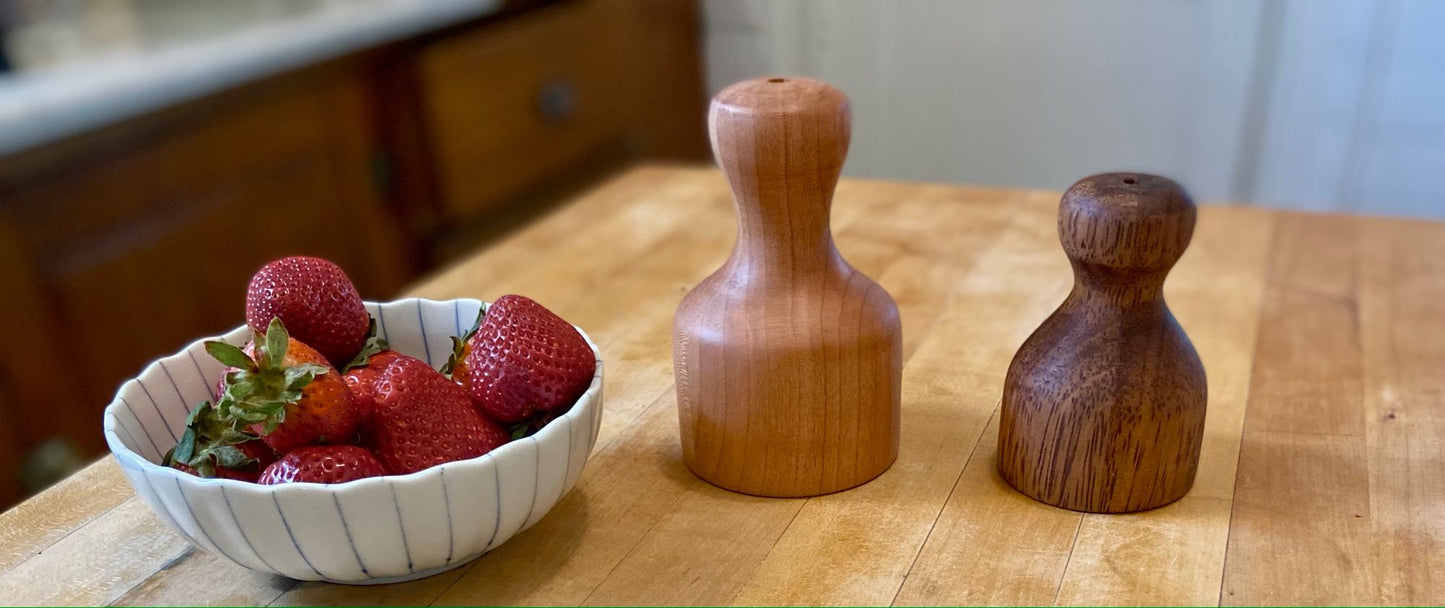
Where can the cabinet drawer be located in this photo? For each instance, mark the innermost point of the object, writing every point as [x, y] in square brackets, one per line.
[507, 105]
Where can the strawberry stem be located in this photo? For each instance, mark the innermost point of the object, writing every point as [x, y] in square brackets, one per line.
[459, 344]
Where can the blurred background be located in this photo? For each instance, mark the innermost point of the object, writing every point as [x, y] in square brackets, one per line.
[154, 153]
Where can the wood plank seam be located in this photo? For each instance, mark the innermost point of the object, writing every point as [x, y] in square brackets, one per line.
[1270, 269]
[1064, 572]
[97, 517]
[971, 454]
[190, 552]
[650, 527]
[440, 595]
[279, 594]
[733, 600]
[634, 421]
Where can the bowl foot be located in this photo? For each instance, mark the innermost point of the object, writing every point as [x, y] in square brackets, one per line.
[412, 576]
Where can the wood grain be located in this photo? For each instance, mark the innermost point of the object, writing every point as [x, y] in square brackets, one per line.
[96, 567]
[1341, 471]
[1401, 286]
[1303, 490]
[225, 584]
[788, 360]
[40, 522]
[1315, 330]
[1103, 406]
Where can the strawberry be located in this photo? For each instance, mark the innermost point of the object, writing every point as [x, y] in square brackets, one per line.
[286, 392]
[316, 301]
[423, 419]
[524, 359]
[362, 377]
[323, 464]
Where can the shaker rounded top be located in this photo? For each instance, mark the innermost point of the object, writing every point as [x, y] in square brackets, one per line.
[1126, 221]
[780, 124]
[780, 95]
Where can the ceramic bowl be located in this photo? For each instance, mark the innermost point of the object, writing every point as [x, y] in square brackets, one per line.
[375, 530]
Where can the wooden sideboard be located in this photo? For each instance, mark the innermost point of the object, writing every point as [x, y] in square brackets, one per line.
[123, 244]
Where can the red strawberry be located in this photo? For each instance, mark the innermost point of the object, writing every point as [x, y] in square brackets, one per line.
[524, 359]
[287, 393]
[362, 378]
[423, 419]
[323, 464]
[316, 301]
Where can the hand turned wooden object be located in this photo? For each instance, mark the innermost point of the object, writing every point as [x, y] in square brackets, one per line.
[788, 361]
[1103, 406]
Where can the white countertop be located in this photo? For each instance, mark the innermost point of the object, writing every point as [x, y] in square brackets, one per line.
[47, 104]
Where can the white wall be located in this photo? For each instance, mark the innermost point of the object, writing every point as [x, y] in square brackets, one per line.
[1315, 104]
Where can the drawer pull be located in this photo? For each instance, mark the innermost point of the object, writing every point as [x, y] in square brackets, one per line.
[557, 100]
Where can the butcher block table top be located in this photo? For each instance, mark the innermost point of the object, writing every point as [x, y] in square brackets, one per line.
[1322, 478]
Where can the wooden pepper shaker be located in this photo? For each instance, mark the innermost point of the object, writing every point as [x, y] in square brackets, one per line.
[1103, 406]
[788, 361]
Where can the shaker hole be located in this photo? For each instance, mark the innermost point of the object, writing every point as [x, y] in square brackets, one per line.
[776, 80]
[1131, 181]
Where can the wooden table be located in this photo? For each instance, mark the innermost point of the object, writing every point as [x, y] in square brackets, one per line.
[1322, 480]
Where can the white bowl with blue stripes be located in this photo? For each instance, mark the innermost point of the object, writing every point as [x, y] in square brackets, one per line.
[376, 530]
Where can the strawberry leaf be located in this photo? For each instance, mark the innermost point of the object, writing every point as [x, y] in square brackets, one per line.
[520, 430]
[374, 344]
[196, 413]
[233, 436]
[231, 457]
[237, 391]
[186, 448]
[229, 355]
[299, 376]
[276, 342]
[459, 352]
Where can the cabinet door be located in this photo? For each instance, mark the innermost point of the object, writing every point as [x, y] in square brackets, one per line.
[509, 104]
